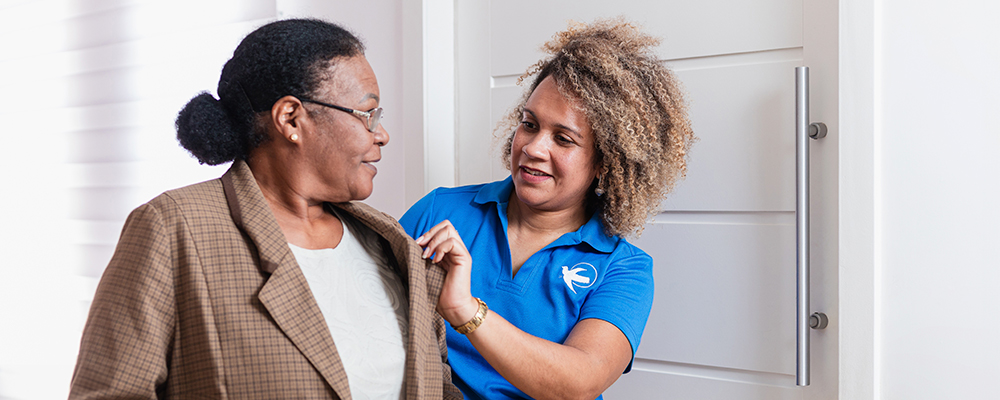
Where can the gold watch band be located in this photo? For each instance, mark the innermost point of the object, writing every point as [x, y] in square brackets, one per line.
[474, 323]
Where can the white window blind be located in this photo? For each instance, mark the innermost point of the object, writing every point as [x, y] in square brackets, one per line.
[90, 90]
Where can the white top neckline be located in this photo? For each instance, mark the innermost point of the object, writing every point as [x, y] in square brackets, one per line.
[365, 308]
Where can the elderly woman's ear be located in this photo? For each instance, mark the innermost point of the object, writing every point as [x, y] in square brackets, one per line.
[287, 116]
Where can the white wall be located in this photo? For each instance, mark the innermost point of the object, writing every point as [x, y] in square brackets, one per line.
[940, 199]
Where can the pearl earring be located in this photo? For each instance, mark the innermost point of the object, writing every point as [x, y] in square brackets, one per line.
[294, 137]
[598, 191]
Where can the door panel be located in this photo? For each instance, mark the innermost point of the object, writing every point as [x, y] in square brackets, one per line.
[649, 385]
[744, 159]
[688, 28]
[709, 308]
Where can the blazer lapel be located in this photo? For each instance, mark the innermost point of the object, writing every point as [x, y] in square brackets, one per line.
[423, 357]
[286, 293]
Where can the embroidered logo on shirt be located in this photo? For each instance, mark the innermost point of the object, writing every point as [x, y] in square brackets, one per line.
[582, 275]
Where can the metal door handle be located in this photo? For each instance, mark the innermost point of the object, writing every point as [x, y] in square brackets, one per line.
[803, 131]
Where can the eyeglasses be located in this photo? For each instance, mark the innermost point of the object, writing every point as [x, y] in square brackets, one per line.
[372, 117]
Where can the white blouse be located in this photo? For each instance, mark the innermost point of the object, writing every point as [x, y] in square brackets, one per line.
[365, 307]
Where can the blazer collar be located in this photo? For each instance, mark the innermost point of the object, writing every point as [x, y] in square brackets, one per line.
[254, 217]
[285, 293]
[287, 297]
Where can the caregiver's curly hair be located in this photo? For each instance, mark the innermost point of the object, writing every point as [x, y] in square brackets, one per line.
[635, 107]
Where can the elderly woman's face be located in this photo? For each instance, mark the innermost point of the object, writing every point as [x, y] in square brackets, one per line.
[552, 158]
[344, 151]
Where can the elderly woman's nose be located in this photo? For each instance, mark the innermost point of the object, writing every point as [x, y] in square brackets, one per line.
[381, 136]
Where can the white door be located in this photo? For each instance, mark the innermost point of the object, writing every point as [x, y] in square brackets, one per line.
[723, 319]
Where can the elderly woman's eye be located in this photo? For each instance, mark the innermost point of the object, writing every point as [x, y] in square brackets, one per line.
[529, 125]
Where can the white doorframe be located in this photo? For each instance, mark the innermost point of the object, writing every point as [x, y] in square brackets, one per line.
[860, 182]
[429, 83]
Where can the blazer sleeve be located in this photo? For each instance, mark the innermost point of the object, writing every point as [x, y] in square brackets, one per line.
[126, 341]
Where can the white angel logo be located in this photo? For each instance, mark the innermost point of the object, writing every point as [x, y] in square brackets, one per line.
[582, 275]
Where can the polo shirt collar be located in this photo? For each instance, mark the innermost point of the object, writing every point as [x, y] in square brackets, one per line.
[495, 192]
[591, 232]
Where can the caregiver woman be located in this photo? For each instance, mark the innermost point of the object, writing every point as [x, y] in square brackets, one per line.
[561, 298]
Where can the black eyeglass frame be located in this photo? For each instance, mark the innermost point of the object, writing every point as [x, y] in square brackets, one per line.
[372, 117]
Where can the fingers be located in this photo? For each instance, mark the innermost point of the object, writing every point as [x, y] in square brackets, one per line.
[442, 240]
[443, 225]
[439, 250]
[448, 250]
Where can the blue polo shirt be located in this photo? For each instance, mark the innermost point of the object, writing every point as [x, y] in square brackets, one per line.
[582, 274]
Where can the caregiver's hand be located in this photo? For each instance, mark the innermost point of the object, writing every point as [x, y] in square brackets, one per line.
[443, 243]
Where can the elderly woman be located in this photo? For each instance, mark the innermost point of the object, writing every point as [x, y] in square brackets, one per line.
[599, 139]
[271, 282]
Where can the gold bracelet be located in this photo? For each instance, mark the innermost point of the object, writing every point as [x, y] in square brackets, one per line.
[477, 320]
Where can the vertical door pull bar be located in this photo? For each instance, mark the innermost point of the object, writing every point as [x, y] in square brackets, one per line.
[803, 131]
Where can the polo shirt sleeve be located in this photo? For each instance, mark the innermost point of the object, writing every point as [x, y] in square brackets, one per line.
[625, 297]
[420, 217]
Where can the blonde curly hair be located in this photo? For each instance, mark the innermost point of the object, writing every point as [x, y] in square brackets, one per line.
[636, 110]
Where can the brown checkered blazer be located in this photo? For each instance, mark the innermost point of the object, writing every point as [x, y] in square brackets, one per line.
[203, 299]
